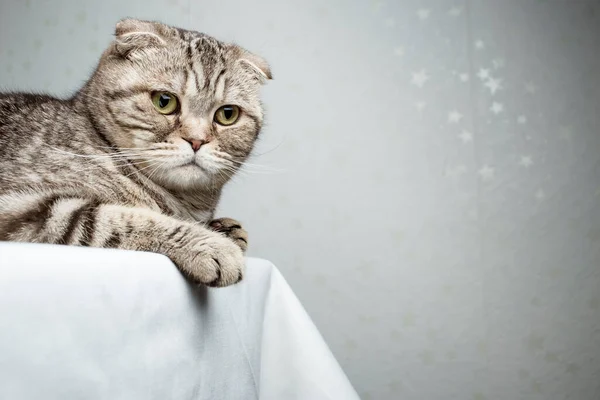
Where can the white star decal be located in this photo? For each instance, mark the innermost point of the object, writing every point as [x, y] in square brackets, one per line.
[479, 44]
[483, 74]
[526, 161]
[454, 117]
[486, 173]
[497, 108]
[423, 13]
[419, 78]
[455, 11]
[494, 85]
[466, 136]
[464, 77]
[522, 119]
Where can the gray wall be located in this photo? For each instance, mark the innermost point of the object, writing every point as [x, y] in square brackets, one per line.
[428, 180]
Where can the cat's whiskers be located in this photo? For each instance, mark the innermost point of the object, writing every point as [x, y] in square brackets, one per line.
[235, 172]
[268, 151]
[117, 164]
[249, 168]
[118, 160]
[98, 156]
[155, 146]
[154, 171]
[155, 163]
[124, 156]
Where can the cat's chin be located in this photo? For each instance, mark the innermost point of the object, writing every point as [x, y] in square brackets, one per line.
[184, 178]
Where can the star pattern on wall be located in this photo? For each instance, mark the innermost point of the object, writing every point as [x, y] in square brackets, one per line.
[419, 78]
[526, 161]
[486, 173]
[466, 136]
[497, 108]
[454, 117]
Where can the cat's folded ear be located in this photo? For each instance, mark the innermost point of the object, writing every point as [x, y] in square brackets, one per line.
[256, 64]
[132, 34]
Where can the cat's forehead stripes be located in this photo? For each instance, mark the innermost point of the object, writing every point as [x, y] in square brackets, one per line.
[194, 73]
[212, 58]
[206, 66]
[220, 87]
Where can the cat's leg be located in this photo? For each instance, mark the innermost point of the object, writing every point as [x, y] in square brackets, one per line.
[232, 229]
[203, 255]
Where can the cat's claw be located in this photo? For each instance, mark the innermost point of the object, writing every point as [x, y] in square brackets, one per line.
[231, 229]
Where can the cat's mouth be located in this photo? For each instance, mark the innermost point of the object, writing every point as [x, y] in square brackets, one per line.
[194, 164]
[191, 164]
[201, 165]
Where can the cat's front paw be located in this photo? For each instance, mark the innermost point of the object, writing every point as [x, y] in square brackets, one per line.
[232, 229]
[211, 260]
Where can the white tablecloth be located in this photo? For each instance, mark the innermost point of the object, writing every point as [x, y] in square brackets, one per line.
[109, 324]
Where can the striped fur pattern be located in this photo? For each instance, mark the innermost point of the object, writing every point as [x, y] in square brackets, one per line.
[105, 169]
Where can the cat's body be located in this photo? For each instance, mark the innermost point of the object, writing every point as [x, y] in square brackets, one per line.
[138, 157]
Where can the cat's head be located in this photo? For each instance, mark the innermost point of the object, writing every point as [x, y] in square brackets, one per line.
[182, 105]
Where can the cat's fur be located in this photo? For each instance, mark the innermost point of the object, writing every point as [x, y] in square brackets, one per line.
[106, 169]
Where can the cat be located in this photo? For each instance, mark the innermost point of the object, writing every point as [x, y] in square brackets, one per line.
[138, 157]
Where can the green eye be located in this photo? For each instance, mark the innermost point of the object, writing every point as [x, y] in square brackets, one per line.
[165, 102]
[227, 115]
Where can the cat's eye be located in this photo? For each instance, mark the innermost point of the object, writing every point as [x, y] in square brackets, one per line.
[227, 115]
[165, 102]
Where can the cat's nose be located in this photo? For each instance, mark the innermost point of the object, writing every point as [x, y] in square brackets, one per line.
[195, 143]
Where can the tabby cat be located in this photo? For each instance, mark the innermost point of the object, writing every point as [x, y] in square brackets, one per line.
[138, 157]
